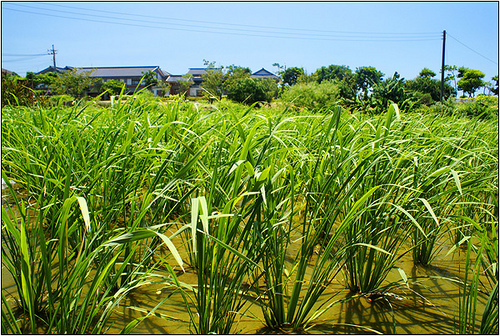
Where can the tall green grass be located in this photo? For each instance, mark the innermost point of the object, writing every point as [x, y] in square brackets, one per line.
[270, 207]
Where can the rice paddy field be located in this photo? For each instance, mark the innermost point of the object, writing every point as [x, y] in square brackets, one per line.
[175, 218]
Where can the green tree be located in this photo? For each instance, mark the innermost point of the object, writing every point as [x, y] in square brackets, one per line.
[250, 90]
[427, 85]
[333, 72]
[426, 73]
[280, 67]
[312, 95]
[470, 80]
[113, 87]
[291, 75]
[306, 78]
[366, 77]
[213, 81]
[343, 77]
[184, 84]
[390, 90]
[40, 81]
[150, 79]
[16, 91]
[232, 74]
[74, 83]
[495, 89]
[451, 76]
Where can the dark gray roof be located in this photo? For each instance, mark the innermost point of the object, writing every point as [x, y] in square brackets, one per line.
[197, 71]
[177, 78]
[127, 71]
[200, 71]
[51, 69]
[263, 73]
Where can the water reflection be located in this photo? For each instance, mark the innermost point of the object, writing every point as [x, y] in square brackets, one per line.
[429, 305]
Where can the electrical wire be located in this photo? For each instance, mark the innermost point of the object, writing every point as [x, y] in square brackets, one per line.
[472, 49]
[225, 32]
[240, 25]
[21, 59]
[16, 55]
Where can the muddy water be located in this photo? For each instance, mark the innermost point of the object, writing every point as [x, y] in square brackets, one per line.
[428, 306]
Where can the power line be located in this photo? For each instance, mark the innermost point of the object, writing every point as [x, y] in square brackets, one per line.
[17, 55]
[22, 59]
[311, 36]
[472, 49]
[241, 25]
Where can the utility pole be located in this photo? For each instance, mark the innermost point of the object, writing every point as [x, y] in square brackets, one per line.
[442, 66]
[53, 53]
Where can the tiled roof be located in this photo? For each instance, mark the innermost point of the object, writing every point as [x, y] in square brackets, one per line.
[197, 71]
[177, 78]
[51, 69]
[129, 71]
[263, 73]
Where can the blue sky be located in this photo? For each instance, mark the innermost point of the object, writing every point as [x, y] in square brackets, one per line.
[391, 36]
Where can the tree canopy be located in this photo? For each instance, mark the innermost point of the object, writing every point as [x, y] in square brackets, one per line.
[427, 73]
[213, 81]
[332, 72]
[367, 77]
[74, 83]
[470, 80]
[291, 75]
[250, 90]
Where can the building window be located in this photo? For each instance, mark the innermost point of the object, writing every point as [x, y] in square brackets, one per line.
[135, 81]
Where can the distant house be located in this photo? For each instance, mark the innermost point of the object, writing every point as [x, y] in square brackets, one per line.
[197, 73]
[196, 89]
[263, 73]
[130, 75]
[51, 69]
[174, 80]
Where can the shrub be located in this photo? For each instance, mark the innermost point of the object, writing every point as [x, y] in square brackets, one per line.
[54, 100]
[483, 106]
[429, 86]
[391, 89]
[312, 95]
[16, 92]
[113, 86]
[251, 90]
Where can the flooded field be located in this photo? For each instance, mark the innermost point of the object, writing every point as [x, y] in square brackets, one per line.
[156, 219]
[430, 305]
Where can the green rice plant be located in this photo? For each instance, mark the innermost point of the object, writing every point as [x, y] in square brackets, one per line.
[108, 159]
[297, 308]
[237, 185]
[481, 265]
[274, 211]
[374, 234]
[445, 178]
[281, 202]
[468, 299]
[489, 260]
[430, 217]
[221, 267]
[72, 290]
